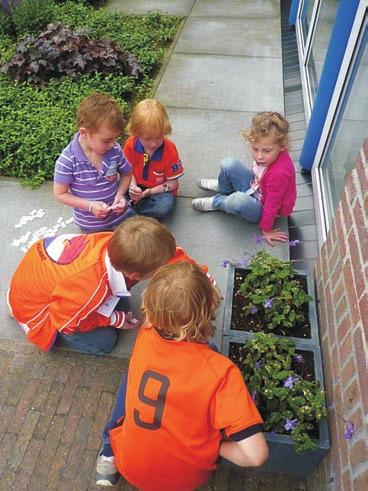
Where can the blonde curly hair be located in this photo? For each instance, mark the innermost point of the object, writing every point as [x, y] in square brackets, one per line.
[268, 124]
[181, 302]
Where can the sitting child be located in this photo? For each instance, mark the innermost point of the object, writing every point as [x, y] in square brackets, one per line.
[263, 192]
[155, 160]
[182, 404]
[91, 174]
[66, 288]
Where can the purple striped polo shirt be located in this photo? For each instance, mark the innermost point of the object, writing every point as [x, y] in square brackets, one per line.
[85, 181]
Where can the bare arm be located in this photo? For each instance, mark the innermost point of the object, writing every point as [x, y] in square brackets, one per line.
[250, 452]
[62, 194]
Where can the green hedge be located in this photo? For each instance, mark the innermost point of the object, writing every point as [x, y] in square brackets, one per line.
[36, 123]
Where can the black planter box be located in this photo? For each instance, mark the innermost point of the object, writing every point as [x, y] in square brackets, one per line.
[283, 459]
[312, 315]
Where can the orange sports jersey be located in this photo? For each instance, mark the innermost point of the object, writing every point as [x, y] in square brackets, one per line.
[180, 396]
[163, 165]
[58, 286]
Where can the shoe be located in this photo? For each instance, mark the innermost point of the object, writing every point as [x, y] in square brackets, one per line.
[203, 204]
[208, 184]
[106, 473]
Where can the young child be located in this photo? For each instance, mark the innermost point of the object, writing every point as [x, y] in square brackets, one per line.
[66, 288]
[155, 160]
[92, 174]
[180, 396]
[262, 193]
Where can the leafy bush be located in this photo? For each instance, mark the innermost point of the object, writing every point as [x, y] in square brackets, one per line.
[271, 290]
[287, 401]
[36, 124]
[31, 16]
[60, 51]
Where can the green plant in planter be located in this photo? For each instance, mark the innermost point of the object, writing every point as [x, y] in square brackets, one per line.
[287, 402]
[271, 290]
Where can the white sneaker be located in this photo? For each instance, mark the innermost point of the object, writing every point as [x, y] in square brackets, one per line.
[203, 204]
[208, 184]
[106, 472]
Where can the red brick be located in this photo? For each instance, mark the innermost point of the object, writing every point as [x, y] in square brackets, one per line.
[346, 481]
[335, 256]
[329, 314]
[348, 372]
[345, 349]
[360, 482]
[336, 282]
[365, 149]
[341, 310]
[358, 454]
[361, 364]
[363, 310]
[356, 261]
[344, 327]
[334, 359]
[329, 245]
[346, 212]
[340, 233]
[358, 420]
[360, 222]
[350, 187]
[352, 395]
[351, 293]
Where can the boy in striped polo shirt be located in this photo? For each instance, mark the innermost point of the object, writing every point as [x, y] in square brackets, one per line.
[92, 174]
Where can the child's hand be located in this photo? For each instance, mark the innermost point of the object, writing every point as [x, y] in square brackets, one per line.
[135, 193]
[119, 205]
[100, 209]
[275, 234]
[123, 320]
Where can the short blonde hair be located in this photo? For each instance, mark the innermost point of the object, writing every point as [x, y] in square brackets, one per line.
[97, 110]
[181, 302]
[149, 119]
[268, 124]
[140, 245]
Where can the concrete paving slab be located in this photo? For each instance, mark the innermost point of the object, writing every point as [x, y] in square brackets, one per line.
[204, 138]
[179, 7]
[222, 82]
[228, 36]
[237, 8]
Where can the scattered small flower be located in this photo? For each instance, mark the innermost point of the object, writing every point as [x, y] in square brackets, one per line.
[299, 358]
[225, 263]
[258, 364]
[245, 262]
[290, 424]
[254, 396]
[253, 309]
[293, 243]
[268, 303]
[289, 381]
[258, 239]
[349, 430]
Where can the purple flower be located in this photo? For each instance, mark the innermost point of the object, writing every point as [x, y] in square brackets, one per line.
[225, 263]
[258, 239]
[245, 262]
[290, 424]
[258, 364]
[253, 309]
[349, 430]
[293, 243]
[289, 381]
[254, 393]
[268, 303]
[299, 358]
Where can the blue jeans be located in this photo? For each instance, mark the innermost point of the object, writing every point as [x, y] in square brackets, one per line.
[234, 185]
[117, 414]
[156, 206]
[99, 341]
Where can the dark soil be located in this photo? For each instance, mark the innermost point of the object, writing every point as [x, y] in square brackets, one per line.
[256, 323]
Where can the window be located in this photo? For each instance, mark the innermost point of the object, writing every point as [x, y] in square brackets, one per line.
[349, 128]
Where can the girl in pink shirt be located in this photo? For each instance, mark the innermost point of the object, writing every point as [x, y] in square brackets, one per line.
[262, 193]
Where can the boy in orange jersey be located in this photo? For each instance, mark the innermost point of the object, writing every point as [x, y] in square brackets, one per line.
[180, 396]
[67, 288]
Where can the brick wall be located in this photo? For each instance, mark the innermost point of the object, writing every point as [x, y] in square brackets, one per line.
[341, 274]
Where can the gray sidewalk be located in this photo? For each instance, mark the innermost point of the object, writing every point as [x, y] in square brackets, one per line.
[226, 66]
